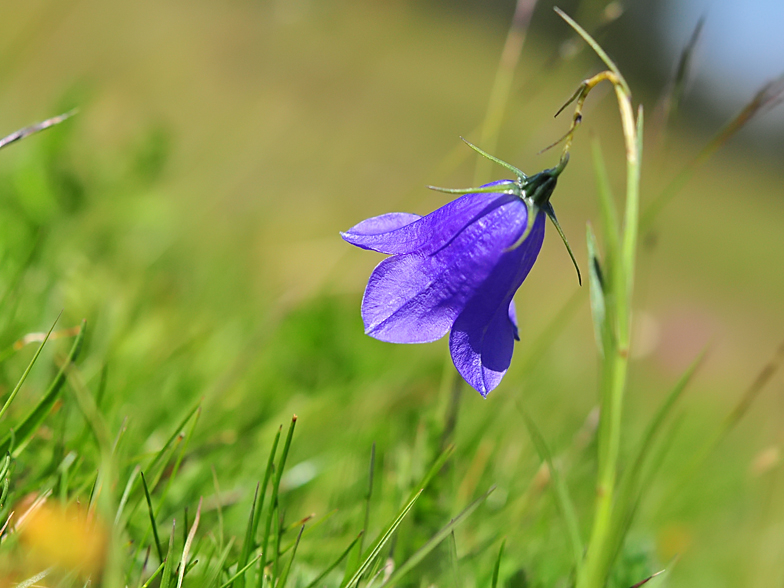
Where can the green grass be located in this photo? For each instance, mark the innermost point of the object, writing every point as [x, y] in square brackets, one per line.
[189, 214]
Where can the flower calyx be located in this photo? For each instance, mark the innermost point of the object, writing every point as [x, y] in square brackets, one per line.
[535, 191]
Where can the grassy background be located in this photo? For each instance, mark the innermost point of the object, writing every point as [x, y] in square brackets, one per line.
[190, 213]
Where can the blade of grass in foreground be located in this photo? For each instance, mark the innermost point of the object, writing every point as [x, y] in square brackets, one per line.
[151, 512]
[369, 494]
[30, 365]
[335, 564]
[180, 456]
[629, 488]
[240, 572]
[265, 482]
[157, 571]
[434, 541]
[285, 575]
[562, 497]
[453, 560]
[273, 506]
[27, 428]
[188, 542]
[218, 567]
[247, 544]
[167, 566]
[378, 545]
[497, 566]
[32, 129]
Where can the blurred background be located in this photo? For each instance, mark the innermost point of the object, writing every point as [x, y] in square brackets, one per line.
[191, 211]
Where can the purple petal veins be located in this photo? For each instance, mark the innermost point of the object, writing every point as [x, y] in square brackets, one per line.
[452, 269]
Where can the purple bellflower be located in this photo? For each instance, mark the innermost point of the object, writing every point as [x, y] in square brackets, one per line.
[457, 269]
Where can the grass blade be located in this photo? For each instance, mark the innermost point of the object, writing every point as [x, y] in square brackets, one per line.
[607, 209]
[167, 564]
[213, 578]
[285, 575]
[502, 83]
[673, 93]
[265, 482]
[152, 518]
[369, 494]
[27, 428]
[334, 564]
[433, 542]
[36, 128]
[188, 543]
[180, 457]
[497, 566]
[596, 47]
[274, 498]
[562, 497]
[154, 575]
[767, 97]
[453, 560]
[30, 365]
[240, 572]
[378, 545]
[247, 544]
[630, 485]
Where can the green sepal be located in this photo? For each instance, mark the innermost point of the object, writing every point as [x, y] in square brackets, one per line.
[548, 209]
[513, 189]
[520, 174]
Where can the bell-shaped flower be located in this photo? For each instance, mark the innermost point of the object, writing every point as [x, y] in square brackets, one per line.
[457, 269]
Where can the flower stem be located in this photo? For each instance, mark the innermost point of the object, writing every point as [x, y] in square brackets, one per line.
[593, 570]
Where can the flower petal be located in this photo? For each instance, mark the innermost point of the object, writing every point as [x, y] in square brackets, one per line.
[483, 335]
[513, 319]
[415, 298]
[401, 304]
[400, 233]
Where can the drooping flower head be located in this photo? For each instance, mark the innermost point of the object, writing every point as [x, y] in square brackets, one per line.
[457, 269]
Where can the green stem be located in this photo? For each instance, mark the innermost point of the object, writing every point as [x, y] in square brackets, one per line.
[600, 554]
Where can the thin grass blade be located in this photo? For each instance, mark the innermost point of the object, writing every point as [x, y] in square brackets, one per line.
[596, 47]
[36, 128]
[434, 541]
[249, 542]
[240, 572]
[497, 566]
[607, 209]
[285, 575]
[167, 565]
[378, 545]
[30, 365]
[188, 543]
[562, 496]
[25, 430]
[453, 561]
[155, 574]
[334, 564]
[273, 506]
[265, 482]
[180, 456]
[151, 512]
[218, 567]
[369, 494]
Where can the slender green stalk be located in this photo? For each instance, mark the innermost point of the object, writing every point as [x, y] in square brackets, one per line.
[502, 84]
[600, 553]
